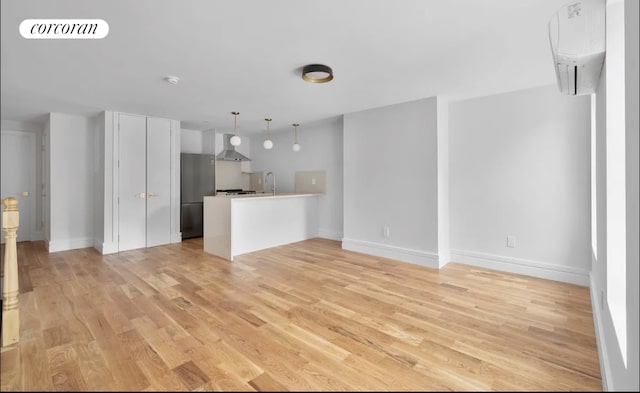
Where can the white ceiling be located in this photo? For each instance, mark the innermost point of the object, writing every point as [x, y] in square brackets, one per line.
[246, 56]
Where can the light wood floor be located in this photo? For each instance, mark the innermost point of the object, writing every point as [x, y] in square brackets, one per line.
[307, 316]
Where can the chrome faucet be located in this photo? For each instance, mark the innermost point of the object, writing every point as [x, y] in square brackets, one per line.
[273, 186]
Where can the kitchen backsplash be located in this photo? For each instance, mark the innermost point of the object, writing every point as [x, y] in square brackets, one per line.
[311, 182]
[256, 181]
[229, 175]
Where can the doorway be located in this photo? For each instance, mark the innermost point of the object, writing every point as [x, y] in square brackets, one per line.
[18, 177]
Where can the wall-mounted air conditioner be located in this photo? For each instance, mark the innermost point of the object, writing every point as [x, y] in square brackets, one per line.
[577, 36]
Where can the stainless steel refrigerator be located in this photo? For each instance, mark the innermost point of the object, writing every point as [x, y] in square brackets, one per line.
[197, 180]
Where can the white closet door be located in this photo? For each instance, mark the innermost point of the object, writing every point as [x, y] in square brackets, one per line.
[18, 176]
[158, 181]
[132, 174]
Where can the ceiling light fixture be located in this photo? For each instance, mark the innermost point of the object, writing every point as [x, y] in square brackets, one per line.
[235, 139]
[296, 145]
[317, 73]
[267, 142]
[172, 79]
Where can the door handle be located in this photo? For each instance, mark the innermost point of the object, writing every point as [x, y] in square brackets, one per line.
[151, 195]
[141, 195]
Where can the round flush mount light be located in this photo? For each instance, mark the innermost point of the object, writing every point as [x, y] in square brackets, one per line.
[317, 73]
[172, 79]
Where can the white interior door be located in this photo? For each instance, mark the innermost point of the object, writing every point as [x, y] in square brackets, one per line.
[132, 220]
[18, 177]
[158, 181]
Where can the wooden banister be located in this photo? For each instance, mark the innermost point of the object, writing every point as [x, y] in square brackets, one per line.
[10, 316]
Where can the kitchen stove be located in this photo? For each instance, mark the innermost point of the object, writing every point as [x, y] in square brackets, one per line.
[235, 191]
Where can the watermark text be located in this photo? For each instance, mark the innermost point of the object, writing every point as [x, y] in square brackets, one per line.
[64, 29]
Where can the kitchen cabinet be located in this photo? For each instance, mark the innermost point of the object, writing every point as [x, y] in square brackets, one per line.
[245, 167]
[140, 199]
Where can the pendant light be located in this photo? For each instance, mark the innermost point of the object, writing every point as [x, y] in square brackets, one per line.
[268, 144]
[235, 139]
[296, 145]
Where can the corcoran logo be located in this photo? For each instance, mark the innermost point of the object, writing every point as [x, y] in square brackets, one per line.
[64, 29]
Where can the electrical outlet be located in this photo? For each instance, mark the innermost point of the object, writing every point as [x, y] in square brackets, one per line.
[511, 241]
[385, 231]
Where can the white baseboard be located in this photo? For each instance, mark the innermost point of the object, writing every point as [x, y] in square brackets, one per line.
[176, 237]
[329, 234]
[416, 257]
[69, 244]
[107, 248]
[522, 266]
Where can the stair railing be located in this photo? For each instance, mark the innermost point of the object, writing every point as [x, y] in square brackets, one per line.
[10, 315]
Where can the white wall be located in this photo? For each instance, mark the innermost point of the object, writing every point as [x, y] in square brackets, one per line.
[71, 183]
[520, 166]
[444, 209]
[391, 179]
[46, 180]
[618, 376]
[100, 182]
[321, 150]
[191, 141]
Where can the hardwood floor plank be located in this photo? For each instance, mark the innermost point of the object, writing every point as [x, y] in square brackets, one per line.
[191, 375]
[33, 357]
[308, 316]
[125, 371]
[65, 370]
[265, 383]
[93, 367]
[10, 369]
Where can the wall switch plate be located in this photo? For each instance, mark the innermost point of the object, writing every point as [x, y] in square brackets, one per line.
[313, 180]
[511, 241]
[385, 231]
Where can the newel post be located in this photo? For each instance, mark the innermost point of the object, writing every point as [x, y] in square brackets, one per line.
[10, 316]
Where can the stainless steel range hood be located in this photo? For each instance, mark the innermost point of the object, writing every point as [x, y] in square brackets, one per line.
[229, 153]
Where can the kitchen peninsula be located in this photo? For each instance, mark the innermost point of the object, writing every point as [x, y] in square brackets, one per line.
[239, 224]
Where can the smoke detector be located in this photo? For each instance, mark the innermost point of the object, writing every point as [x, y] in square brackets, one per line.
[172, 79]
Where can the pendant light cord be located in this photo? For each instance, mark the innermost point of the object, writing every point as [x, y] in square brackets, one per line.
[268, 129]
[235, 118]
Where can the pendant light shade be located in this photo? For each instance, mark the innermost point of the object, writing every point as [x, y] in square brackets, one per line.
[317, 73]
[235, 139]
[268, 144]
[296, 145]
